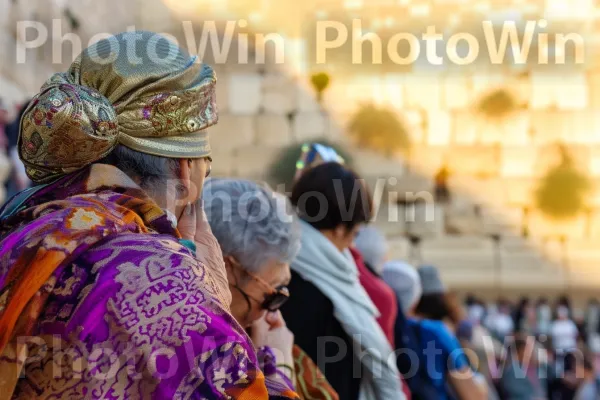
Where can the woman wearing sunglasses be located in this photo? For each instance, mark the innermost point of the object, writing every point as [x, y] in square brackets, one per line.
[96, 268]
[259, 237]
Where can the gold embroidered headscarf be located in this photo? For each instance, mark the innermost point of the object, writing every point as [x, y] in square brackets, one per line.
[137, 89]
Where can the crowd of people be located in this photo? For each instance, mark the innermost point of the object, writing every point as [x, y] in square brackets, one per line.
[9, 134]
[566, 341]
[126, 271]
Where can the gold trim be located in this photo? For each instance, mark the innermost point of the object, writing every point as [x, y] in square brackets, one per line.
[171, 146]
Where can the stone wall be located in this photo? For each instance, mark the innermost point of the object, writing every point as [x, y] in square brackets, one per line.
[265, 108]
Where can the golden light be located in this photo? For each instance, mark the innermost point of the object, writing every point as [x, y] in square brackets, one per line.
[187, 7]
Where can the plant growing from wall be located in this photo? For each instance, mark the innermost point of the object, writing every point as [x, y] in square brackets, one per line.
[561, 193]
[283, 169]
[320, 82]
[379, 129]
[497, 104]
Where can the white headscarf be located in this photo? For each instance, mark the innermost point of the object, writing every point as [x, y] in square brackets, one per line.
[405, 281]
[373, 247]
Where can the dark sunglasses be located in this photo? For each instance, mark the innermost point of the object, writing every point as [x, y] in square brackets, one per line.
[274, 298]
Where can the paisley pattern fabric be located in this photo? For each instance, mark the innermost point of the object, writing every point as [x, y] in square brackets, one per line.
[311, 384]
[99, 300]
[136, 89]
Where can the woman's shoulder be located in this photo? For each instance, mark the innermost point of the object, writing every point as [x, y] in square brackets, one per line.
[304, 289]
[438, 332]
[156, 264]
[433, 325]
[304, 296]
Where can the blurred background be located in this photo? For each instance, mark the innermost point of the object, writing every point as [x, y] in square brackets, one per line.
[490, 172]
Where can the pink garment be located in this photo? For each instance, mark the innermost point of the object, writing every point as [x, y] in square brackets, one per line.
[384, 299]
[3, 138]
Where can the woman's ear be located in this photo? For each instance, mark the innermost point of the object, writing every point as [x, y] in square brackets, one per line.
[340, 231]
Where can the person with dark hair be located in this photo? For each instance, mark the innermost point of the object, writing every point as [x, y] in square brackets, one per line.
[332, 317]
[437, 303]
[564, 301]
[109, 260]
[524, 317]
[589, 387]
[441, 190]
[18, 179]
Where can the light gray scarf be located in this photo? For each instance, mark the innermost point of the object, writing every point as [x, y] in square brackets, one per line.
[335, 274]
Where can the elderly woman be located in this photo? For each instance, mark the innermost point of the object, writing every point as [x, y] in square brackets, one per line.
[259, 236]
[331, 315]
[106, 262]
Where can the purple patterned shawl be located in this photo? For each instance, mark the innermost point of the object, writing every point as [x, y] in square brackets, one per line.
[130, 313]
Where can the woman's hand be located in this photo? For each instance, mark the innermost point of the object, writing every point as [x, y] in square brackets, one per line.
[187, 223]
[271, 331]
[194, 226]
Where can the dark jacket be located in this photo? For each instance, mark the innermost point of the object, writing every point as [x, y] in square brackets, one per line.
[309, 315]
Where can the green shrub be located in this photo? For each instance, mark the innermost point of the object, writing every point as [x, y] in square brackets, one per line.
[562, 192]
[282, 171]
[320, 82]
[379, 129]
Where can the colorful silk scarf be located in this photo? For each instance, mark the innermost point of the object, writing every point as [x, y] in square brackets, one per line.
[92, 269]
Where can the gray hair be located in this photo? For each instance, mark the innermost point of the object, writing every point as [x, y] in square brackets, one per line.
[252, 223]
[373, 246]
[152, 173]
[404, 279]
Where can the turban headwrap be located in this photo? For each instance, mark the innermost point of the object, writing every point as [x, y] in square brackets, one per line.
[136, 89]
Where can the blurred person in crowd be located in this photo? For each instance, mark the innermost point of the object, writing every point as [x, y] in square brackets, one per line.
[477, 356]
[18, 179]
[448, 374]
[441, 190]
[592, 325]
[563, 331]
[457, 312]
[519, 313]
[475, 309]
[371, 242]
[436, 302]
[373, 247]
[524, 317]
[5, 164]
[564, 301]
[523, 377]
[374, 244]
[3, 122]
[589, 382]
[328, 300]
[499, 321]
[110, 253]
[564, 335]
[257, 257]
[543, 317]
